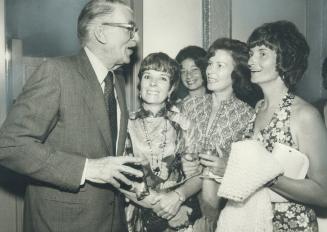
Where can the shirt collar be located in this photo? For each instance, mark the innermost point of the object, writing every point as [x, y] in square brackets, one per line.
[227, 101]
[100, 70]
[143, 113]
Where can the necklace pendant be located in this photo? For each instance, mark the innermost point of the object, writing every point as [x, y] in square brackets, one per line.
[156, 171]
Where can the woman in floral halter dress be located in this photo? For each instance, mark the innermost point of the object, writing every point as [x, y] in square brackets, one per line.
[278, 59]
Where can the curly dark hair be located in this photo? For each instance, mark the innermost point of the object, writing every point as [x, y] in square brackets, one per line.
[290, 46]
[198, 55]
[195, 53]
[160, 62]
[243, 88]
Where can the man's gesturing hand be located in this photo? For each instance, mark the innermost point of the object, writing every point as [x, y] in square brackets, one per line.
[110, 169]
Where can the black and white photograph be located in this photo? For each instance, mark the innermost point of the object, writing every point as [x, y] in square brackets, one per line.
[163, 115]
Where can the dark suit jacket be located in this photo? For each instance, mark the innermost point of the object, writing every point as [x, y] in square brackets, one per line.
[58, 121]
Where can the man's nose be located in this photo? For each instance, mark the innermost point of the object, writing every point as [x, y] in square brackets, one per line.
[251, 60]
[136, 37]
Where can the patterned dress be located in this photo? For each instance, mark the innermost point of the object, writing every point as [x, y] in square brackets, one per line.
[288, 216]
[228, 125]
[230, 121]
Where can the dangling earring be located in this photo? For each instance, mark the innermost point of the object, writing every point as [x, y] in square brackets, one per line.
[168, 99]
[283, 77]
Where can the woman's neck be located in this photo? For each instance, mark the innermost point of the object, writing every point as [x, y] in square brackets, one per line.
[197, 92]
[153, 108]
[220, 96]
[273, 92]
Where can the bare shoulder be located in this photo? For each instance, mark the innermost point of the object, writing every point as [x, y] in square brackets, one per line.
[304, 112]
[306, 119]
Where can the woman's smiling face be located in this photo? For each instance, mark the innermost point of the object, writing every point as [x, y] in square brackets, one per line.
[191, 75]
[219, 70]
[155, 87]
[262, 64]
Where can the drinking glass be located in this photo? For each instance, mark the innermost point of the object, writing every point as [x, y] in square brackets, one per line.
[206, 173]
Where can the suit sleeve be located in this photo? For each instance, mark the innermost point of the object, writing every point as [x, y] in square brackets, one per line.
[23, 135]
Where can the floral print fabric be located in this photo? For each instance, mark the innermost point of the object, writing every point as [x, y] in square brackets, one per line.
[288, 216]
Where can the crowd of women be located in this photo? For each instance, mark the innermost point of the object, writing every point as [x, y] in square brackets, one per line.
[193, 111]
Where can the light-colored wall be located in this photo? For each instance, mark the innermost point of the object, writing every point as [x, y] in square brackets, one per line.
[246, 17]
[8, 203]
[3, 85]
[47, 27]
[307, 15]
[171, 25]
[311, 86]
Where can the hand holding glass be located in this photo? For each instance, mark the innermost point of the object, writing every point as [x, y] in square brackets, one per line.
[191, 165]
[207, 159]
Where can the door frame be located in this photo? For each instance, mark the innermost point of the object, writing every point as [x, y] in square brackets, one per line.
[3, 75]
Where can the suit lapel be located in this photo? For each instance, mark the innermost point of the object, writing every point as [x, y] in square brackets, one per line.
[121, 97]
[94, 99]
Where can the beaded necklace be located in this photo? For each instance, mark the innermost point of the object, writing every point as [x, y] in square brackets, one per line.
[156, 161]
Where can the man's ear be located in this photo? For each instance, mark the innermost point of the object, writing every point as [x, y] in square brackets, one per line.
[99, 35]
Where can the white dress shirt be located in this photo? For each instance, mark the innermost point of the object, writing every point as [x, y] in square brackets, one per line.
[101, 72]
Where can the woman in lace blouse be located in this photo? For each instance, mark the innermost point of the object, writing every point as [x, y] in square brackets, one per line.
[278, 59]
[160, 134]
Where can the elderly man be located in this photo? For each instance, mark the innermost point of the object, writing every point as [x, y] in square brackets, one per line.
[68, 127]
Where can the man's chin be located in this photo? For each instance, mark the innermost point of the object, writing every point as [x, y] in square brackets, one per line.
[126, 60]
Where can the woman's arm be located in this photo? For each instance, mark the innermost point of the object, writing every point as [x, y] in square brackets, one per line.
[147, 202]
[309, 130]
[210, 187]
[171, 202]
[209, 193]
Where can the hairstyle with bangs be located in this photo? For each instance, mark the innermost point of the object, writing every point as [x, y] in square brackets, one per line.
[197, 54]
[290, 46]
[160, 62]
[91, 11]
[243, 88]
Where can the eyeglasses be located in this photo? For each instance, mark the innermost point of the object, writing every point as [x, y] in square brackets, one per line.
[192, 72]
[131, 27]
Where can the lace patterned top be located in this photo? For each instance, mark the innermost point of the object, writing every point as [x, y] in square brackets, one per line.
[160, 139]
[289, 216]
[228, 124]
